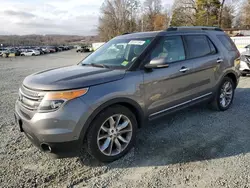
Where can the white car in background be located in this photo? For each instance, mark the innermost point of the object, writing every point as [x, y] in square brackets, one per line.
[30, 53]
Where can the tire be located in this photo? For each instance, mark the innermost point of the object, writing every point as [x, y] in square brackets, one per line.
[94, 146]
[22, 54]
[216, 103]
[243, 74]
[33, 54]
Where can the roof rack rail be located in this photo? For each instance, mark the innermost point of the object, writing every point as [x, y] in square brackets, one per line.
[193, 28]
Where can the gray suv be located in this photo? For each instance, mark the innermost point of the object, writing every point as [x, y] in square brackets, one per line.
[101, 102]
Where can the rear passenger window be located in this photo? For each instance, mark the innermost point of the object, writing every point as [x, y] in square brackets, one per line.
[227, 42]
[198, 46]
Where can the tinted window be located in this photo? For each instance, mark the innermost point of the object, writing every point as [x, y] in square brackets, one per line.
[197, 46]
[169, 48]
[227, 42]
[212, 47]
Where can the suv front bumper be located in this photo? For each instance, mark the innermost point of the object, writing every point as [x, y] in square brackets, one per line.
[58, 132]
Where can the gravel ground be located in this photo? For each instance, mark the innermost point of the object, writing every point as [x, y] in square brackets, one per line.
[193, 148]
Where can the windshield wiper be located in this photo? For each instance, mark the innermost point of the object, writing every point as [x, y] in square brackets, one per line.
[99, 65]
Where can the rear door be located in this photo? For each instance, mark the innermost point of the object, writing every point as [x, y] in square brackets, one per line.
[206, 61]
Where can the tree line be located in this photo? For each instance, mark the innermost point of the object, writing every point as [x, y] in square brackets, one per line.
[122, 16]
[40, 40]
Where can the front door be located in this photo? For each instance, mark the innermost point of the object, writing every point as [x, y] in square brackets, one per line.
[167, 88]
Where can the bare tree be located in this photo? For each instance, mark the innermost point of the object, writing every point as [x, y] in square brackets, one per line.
[183, 13]
[117, 17]
[227, 16]
[245, 19]
[221, 12]
[154, 16]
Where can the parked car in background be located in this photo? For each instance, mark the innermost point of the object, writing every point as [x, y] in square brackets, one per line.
[2, 51]
[45, 50]
[62, 47]
[30, 53]
[14, 51]
[84, 48]
[245, 63]
[65, 47]
[40, 50]
[59, 49]
[101, 102]
[51, 49]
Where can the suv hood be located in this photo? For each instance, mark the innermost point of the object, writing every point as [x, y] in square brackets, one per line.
[71, 77]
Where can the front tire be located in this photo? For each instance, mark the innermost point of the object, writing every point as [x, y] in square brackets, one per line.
[112, 134]
[224, 95]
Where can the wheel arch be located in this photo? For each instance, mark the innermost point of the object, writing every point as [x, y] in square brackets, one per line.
[233, 77]
[129, 103]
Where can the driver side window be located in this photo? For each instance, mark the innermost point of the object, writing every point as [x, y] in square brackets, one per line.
[169, 48]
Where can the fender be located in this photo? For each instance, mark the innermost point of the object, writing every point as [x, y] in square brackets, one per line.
[232, 72]
[139, 111]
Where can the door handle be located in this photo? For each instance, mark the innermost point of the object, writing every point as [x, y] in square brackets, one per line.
[219, 60]
[184, 69]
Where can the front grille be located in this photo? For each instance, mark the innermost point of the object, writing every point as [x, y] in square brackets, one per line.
[30, 99]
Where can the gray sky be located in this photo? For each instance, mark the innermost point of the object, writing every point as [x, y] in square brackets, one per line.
[71, 17]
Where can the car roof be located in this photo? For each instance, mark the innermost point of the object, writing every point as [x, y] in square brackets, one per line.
[172, 31]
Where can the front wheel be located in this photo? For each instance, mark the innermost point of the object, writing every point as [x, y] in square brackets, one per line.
[112, 134]
[224, 95]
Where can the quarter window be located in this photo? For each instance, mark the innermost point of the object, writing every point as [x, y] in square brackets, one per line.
[227, 42]
[170, 48]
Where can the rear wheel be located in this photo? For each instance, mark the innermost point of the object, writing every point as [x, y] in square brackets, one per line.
[243, 74]
[224, 95]
[112, 134]
[33, 54]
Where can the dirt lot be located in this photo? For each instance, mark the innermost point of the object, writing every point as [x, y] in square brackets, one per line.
[193, 148]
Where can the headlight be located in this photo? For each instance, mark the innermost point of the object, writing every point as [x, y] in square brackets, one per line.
[54, 100]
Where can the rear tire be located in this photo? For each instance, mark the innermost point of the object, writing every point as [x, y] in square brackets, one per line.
[224, 95]
[33, 54]
[108, 143]
[243, 74]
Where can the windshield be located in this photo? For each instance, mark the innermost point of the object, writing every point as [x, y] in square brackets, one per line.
[118, 53]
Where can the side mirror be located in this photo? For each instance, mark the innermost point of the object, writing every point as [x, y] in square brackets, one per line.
[157, 63]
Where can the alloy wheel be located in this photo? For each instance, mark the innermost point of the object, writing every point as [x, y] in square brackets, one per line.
[226, 94]
[114, 135]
